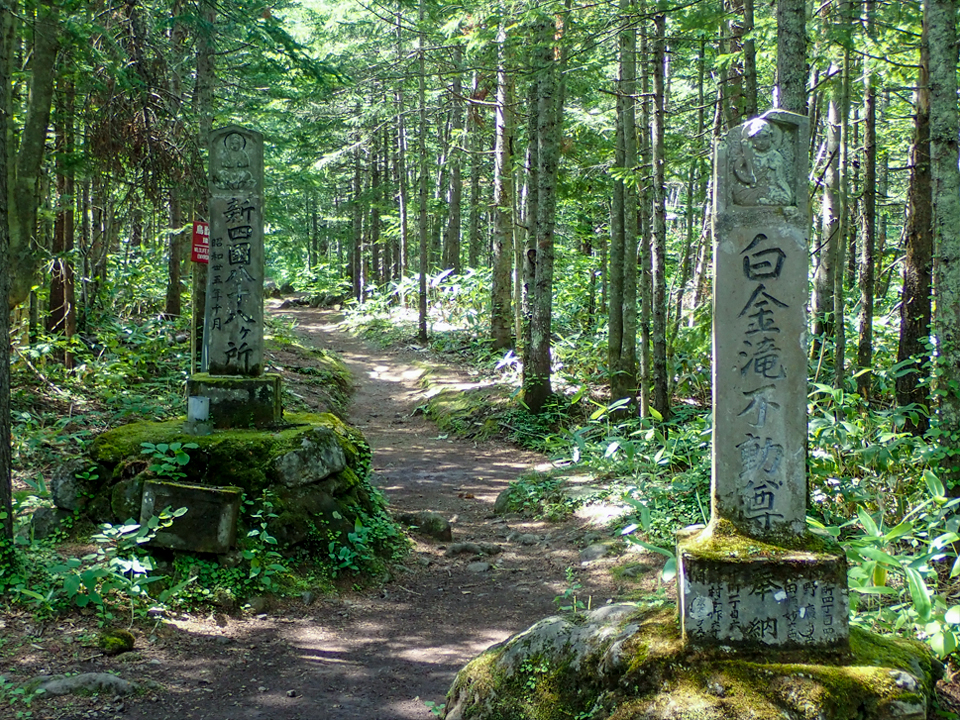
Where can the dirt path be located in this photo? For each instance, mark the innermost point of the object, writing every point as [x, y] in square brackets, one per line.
[370, 655]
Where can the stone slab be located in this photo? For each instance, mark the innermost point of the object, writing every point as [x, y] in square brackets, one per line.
[239, 402]
[233, 323]
[208, 526]
[736, 593]
[761, 227]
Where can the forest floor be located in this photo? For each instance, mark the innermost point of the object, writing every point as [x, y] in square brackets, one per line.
[375, 653]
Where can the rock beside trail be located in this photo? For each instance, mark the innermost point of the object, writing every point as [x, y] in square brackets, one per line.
[472, 548]
[85, 683]
[428, 523]
[628, 662]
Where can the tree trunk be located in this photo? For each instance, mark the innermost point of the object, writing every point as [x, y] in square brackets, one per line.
[62, 319]
[830, 224]
[422, 227]
[645, 229]
[622, 342]
[868, 229]
[549, 111]
[26, 255]
[476, 165]
[6, 458]
[941, 16]
[501, 314]
[661, 397]
[918, 256]
[451, 248]
[175, 249]
[839, 298]
[791, 89]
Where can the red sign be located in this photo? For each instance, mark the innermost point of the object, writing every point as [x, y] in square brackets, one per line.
[201, 242]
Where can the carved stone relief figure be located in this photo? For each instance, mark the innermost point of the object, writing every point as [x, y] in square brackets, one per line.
[233, 172]
[764, 176]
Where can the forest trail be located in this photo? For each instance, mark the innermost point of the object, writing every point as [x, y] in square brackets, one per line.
[369, 654]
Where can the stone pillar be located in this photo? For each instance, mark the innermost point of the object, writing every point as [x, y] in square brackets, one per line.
[233, 329]
[233, 391]
[754, 577]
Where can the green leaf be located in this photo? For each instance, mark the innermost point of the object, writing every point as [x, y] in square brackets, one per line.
[952, 615]
[655, 415]
[868, 524]
[919, 593]
[669, 571]
[933, 483]
[943, 643]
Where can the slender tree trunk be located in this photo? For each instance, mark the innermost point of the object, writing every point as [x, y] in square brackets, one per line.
[825, 253]
[791, 89]
[6, 458]
[941, 16]
[401, 157]
[451, 248]
[840, 338]
[661, 397]
[645, 229]
[422, 227]
[868, 228]
[531, 211]
[549, 110]
[175, 251]
[915, 309]
[622, 347]
[501, 315]
[476, 165]
[62, 319]
[749, 62]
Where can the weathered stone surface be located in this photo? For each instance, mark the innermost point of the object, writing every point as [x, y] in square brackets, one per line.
[127, 497]
[84, 683]
[323, 510]
[233, 327]
[210, 523]
[742, 593]
[239, 402]
[64, 488]
[318, 457]
[627, 662]
[761, 228]
[427, 523]
[47, 521]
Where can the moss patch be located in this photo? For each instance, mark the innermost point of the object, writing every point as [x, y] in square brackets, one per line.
[473, 413]
[638, 667]
[247, 459]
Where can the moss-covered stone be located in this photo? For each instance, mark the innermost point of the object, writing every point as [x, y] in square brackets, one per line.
[114, 642]
[628, 662]
[254, 461]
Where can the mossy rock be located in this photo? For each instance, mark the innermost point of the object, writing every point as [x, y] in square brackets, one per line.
[114, 642]
[628, 662]
[331, 490]
[473, 413]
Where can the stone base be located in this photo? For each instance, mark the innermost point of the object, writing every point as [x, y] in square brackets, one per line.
[628, 662]
[738, 592]
[210, 523]
[237, 402]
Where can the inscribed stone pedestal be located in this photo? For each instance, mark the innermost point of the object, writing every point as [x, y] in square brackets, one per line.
[754, 578]
[210, 523]
[233, 328]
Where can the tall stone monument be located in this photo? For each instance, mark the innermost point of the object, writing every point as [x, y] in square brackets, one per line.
[754, 578]
[232, 391]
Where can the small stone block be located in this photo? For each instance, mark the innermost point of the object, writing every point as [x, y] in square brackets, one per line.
[210, 523]
[239, 402]
[737, 592]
